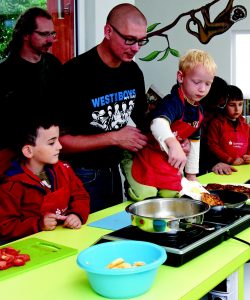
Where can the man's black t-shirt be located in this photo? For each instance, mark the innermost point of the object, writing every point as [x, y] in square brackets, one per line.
[101, 99]
[27, 90]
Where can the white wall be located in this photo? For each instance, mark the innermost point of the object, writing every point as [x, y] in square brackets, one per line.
[92, 15]
[163, 74]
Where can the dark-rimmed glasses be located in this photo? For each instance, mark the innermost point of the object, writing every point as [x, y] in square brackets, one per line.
[131, 41]
[46, 34]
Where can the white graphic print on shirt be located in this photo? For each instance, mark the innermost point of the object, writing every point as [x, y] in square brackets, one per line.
[114, 110]
[114, 117]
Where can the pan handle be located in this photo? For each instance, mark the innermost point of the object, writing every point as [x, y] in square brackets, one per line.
[205, 227]
[245, 209]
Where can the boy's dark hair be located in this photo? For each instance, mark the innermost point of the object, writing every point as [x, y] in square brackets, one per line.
[26, 133]
[218, 90]
[234, 93]
[25, 24]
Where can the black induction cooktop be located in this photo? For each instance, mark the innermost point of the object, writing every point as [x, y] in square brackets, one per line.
[181, 247]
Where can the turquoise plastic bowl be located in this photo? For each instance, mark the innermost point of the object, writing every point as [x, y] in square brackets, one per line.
[121, 283]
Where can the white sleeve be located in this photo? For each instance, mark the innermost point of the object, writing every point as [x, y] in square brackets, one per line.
[160, 129]
[192, 165]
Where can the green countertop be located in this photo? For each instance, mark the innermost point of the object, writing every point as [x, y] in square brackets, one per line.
[241, 176]
[64, 280]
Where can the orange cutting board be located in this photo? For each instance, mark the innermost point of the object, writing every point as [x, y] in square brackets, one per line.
[41, 253]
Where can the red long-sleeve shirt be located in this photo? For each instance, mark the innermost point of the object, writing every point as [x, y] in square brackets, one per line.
[227, 141]
[24, 198]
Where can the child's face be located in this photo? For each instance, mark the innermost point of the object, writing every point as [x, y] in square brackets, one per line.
[196, 83]
[47, 148]
[234, 109]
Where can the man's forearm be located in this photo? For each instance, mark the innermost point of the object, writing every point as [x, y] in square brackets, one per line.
[81, 143]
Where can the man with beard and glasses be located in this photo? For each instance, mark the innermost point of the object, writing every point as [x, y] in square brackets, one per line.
[29, 75]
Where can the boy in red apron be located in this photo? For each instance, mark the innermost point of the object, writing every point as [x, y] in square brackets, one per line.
[39, 191]
[228, 134]
[157, 169]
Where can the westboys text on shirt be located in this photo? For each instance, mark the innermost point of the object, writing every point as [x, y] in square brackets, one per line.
[113, 97]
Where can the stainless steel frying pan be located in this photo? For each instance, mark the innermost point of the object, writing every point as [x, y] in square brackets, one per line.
[231, 199]
[168, 215]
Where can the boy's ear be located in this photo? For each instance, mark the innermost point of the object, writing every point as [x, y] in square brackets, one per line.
[180, 77]
[27, 151]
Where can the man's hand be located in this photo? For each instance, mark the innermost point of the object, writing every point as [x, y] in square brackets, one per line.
[129, 138]
[222, 168]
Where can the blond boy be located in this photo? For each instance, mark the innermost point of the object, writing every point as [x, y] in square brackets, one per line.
[157, 169]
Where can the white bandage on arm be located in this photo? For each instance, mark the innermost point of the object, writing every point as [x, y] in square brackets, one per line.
[160, 129]
[192, 165]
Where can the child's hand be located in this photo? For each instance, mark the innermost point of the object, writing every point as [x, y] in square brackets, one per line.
[72, 221]
[50, 221]
[238, 161]
[222, 168]
[186, 146]
[176, 156]
[246, 159]
[191, 177]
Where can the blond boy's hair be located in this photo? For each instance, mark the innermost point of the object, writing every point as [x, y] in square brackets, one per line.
[196, 57]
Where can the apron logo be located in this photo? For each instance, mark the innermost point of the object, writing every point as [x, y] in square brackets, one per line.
[60, 211]
[45, 183]
[195, 124]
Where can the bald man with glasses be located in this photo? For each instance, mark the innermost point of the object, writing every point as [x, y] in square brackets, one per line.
[130, 40]
[104, 90]
[29, 76]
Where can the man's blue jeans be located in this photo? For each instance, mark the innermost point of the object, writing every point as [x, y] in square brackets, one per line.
[103, 185]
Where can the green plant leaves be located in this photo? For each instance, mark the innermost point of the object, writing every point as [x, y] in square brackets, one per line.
[174, 52]
[151, 56]
[152, 27]
[164, 55]
[156, 53]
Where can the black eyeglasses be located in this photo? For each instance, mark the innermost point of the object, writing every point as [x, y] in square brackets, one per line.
[131, 41]
[46, 34]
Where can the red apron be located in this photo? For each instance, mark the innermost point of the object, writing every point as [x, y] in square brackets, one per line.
[150, 165]
[57, 202]
[234, 143]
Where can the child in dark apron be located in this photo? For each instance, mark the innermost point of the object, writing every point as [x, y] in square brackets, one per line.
[157, 169]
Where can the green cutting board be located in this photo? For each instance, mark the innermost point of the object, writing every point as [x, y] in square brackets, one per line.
[41, 253]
